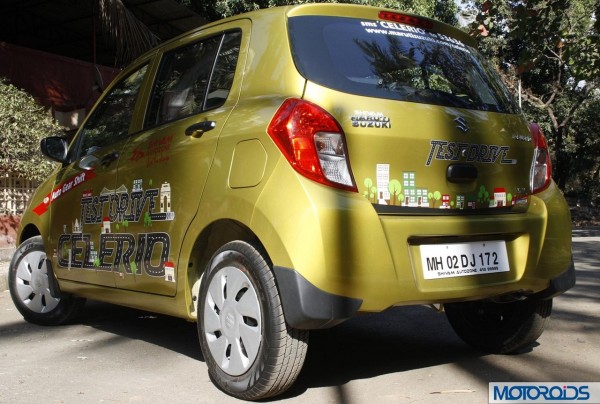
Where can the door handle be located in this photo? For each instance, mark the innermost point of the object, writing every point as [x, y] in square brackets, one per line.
[109, 158]
[197, 130]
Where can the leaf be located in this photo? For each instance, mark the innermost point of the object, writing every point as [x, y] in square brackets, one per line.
[23, 124]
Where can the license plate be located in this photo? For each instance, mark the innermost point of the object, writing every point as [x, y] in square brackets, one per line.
[464, 259]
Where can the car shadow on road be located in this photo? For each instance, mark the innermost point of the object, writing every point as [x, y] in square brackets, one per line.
[397, 340]
[168, 332]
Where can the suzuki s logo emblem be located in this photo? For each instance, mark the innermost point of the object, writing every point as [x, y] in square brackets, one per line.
[461, 124]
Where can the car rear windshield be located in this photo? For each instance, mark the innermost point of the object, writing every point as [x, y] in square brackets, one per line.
[390, 60]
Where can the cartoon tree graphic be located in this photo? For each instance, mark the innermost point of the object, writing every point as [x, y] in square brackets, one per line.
[395, 189]
[436, 196]
[509, 199]
[483, 196]
[401, 198]
[471, 201]
[374, 194]
[368, 183]
[147, 219]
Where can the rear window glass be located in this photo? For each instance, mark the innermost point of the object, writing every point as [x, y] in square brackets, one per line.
[389, 60]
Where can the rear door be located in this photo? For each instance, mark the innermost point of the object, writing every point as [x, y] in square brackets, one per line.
[167, 163]
[429, 126]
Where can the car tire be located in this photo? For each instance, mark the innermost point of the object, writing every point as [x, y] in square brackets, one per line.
[499, 328]
[250, 351]
[29, 284]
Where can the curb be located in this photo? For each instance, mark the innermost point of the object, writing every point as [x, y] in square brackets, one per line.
[5, 257]
[591, 231]
[4, 275]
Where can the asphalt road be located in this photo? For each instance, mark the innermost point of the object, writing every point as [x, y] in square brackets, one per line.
[405, 355]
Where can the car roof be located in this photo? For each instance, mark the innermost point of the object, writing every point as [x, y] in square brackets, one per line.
[329, 9]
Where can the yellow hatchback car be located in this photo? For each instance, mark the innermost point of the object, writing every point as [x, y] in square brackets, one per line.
[286, 169]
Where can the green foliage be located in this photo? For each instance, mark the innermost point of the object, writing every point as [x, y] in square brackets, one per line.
[23, 124]
[551, 48]
[585, 143]
[444, 10]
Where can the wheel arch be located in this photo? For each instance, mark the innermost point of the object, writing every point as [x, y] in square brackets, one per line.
[30, 230]
[210, 239]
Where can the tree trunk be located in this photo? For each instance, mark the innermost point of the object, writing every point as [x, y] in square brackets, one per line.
[562, 166]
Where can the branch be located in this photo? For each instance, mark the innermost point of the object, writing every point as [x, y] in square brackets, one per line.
[581, 99]
[130, 35]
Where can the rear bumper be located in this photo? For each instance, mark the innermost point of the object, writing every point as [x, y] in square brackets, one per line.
[347, 252]
[307, 307]
[560, 284]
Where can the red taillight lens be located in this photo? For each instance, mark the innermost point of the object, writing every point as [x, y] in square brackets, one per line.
[541, 166]
[313, 142]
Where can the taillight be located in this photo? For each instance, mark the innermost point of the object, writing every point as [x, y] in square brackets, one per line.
[541, 166]
[313, 142]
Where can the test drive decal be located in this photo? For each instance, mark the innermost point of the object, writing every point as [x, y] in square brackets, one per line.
[113, 211]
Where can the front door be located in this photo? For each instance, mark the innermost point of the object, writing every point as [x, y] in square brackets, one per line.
[84, 201]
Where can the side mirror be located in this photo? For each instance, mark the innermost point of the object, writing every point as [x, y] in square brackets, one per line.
[55, 148]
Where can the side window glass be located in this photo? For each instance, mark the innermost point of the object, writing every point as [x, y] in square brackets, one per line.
[190, 80]
[182, 81]
[224, 72]
[110, 121]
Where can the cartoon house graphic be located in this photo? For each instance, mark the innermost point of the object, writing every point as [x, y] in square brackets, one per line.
[137, 186]
[422, 198]
[105, 225]
[383, 181]
[415, 197]
[76, 228]
[165, 197]
[460, 201]
[445, 202]
[499, 198]
[169, 271]
[93, 256]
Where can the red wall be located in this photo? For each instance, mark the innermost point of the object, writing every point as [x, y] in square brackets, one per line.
[59, 82]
